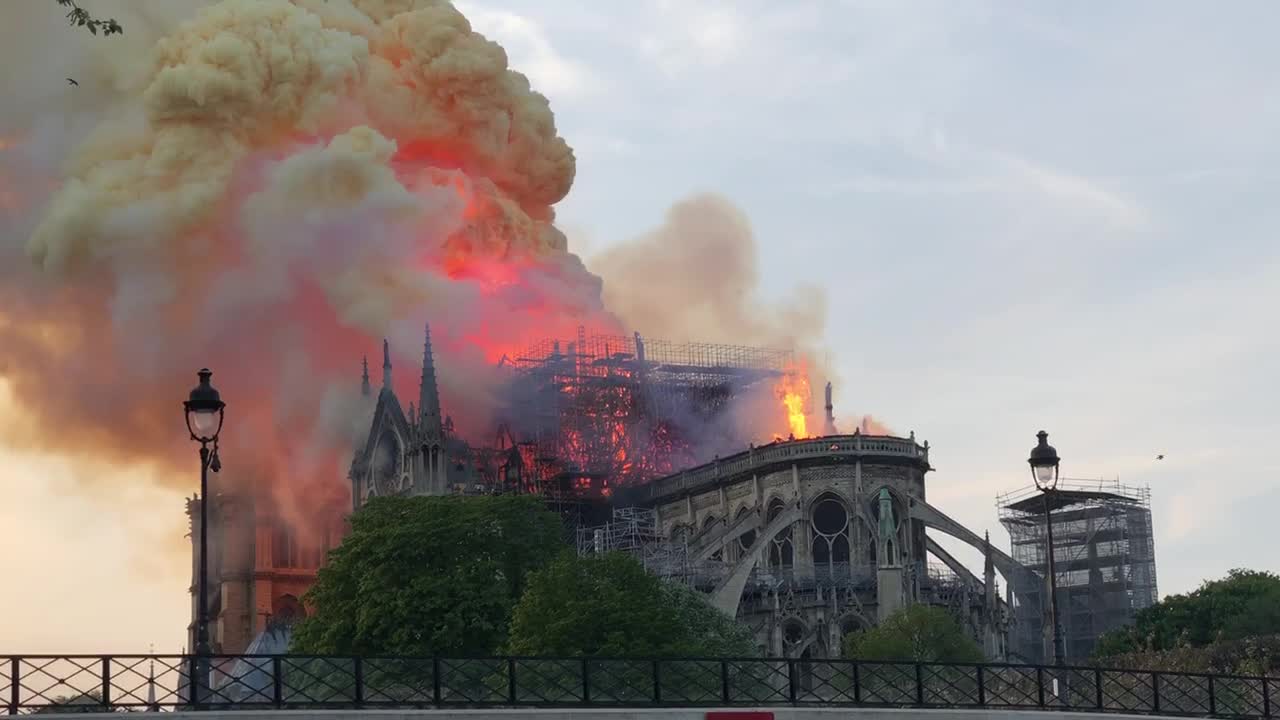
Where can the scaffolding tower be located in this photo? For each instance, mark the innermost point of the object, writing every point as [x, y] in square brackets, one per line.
[634, 530]
[1104, 555]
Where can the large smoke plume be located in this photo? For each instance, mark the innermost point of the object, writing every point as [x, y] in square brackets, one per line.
[268, 188]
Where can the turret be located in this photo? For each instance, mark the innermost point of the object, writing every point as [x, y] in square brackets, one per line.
[386, 365]
[430, 425]
[429, 394]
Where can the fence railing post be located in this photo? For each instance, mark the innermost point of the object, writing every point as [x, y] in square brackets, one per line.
[1266, 698]
[15, 694]
[793, 682]
[193, 668]
[857, 684]
[277, 681]
[724, 681]
[106, 683]
[657, 682]
[982, 688]
[1040, 685]
[1213, 698]
[437, 696]
[1155, 692]
[919, 683]
[1097, 686]
[358, 671]
[586, 681]
[511, 680]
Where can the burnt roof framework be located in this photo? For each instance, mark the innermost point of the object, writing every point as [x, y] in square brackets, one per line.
[1104, 555]
[601, 411]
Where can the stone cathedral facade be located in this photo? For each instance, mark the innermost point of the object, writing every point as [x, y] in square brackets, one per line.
[803, 540]
[809, 540]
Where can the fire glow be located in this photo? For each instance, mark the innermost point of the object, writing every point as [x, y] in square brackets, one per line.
[793, 391]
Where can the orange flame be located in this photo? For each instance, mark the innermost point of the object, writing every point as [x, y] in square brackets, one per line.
[793, 391]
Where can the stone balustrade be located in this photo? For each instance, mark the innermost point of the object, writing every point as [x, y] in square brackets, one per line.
[758, 459]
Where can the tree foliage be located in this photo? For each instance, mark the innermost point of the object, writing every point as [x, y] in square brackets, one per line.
[79, 17]
[611, 606]
[421, 576]
[1246, 603]
[1252, 656]
[89, 702]
[920, 632]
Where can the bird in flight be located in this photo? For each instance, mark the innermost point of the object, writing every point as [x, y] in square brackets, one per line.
[1159, 457]
[73, 82]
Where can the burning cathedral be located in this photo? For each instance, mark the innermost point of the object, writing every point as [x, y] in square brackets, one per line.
[635, 443]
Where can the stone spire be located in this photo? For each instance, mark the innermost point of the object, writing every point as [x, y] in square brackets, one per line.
[364, 378]
[428, 392]
[987, 566]
[386, 365]
[829, 424]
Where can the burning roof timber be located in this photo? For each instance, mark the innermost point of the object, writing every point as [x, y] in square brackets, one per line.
[616, 410]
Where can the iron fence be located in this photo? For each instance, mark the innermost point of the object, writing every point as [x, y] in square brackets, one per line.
[122, 683]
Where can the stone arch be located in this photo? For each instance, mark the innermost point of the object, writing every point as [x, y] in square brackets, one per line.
[781, 550]
[286, 609]
[901, 505]
[748, 538]
[709, 522]
[680, 532]
[794, 632]
[852, 621]
[387, 465]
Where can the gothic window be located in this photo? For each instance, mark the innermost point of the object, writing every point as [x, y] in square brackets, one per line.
[782, 551]
[286, 610]
[680, 534]
[830, 534]
[283, 547]
[385, 470]
[707, 523]
[793, 632]
[289, 551]
[746, 539]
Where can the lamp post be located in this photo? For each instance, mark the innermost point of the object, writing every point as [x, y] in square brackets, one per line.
[1044, 470]
[204, 410]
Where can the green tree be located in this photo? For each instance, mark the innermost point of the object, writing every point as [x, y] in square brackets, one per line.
[611, 606]
[426, 576]
[920, 632]
[90, 702]
[79, 17]
[1246, 603]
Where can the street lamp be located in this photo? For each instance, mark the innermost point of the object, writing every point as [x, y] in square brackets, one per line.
[1044, 470]
[204, 412]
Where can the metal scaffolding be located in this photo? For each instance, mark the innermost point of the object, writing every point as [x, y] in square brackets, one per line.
[1104, 556]
[634, 530]
[601, 411]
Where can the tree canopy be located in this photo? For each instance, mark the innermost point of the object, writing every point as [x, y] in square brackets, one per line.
[919, 632]
[611, 606]
[79, 17]
[419, 576]
[1244, 604]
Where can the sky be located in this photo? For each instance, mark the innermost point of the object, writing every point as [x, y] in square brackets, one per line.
[1024, 216]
